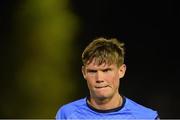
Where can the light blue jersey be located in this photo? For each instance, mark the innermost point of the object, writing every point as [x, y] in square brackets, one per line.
[80, 109]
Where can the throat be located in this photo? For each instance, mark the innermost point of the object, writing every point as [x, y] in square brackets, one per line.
[105, 104]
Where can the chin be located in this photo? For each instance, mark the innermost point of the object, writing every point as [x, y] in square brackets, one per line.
[102, 97]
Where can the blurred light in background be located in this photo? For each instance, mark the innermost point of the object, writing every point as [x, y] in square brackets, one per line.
[40, 51]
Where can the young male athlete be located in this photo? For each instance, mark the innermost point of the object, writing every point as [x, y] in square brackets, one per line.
[103, 67]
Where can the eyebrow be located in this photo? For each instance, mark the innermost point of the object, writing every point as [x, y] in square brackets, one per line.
[94, 70]
[91, 70]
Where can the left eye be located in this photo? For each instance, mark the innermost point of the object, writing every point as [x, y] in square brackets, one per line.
[106, 70]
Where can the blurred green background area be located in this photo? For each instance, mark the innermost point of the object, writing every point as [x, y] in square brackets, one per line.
[37, 67]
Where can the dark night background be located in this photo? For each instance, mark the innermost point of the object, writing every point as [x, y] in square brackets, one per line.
[150, 30]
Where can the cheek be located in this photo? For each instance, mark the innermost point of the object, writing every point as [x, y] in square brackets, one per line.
[90, 81]
[115, 80]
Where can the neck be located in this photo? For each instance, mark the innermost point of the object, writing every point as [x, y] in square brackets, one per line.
[107, 103]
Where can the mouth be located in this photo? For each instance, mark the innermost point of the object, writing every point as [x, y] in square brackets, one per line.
[99, 87]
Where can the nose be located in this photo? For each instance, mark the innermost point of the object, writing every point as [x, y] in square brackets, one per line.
[99, 77]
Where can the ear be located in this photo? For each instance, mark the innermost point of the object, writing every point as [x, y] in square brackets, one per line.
[122, 70]
[83, 71]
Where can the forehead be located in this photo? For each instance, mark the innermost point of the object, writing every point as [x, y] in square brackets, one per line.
[95, 65]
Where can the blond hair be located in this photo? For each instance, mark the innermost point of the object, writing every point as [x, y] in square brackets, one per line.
[104, 50]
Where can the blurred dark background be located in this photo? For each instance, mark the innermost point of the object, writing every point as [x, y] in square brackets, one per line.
[41, 43]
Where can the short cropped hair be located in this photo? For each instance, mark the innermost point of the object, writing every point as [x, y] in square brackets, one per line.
[102, 50]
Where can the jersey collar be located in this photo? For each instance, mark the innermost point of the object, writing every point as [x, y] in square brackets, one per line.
[106, 111]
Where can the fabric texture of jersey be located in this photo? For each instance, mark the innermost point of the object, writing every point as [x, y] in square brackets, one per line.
[80, 109]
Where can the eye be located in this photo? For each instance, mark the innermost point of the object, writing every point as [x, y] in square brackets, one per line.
[91, 71]
[106, 70]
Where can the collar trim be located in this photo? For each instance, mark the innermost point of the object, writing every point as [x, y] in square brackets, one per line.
[109, 110]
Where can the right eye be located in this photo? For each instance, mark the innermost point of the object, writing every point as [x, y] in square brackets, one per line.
[91, 71]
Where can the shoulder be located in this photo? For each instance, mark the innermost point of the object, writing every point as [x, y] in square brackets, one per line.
[140, 111]
[70, 108]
